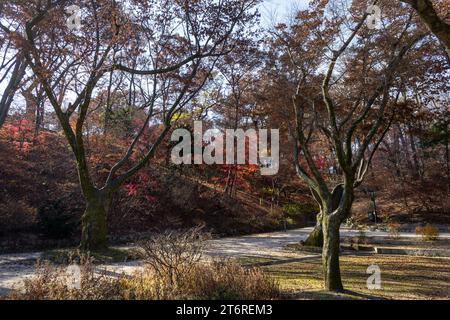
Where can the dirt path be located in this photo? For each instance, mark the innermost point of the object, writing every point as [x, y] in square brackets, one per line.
[14, 268]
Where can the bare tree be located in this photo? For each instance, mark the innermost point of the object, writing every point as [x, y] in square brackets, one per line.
[349, 115]
[178, 44]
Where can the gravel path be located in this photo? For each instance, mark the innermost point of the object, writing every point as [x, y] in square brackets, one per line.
[14, 268]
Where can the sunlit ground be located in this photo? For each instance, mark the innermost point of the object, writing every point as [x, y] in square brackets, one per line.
[402, 277]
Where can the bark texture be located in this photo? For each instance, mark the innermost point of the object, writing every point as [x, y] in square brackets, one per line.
[330, 253]
[94, 224]
[315, 238]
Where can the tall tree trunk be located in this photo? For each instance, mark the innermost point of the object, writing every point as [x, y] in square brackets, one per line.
[315, 238]
[447, 160]
[94, 222]
[39, 120]
[330, 253]
[414, 170]
[10, 90]
[420, 171]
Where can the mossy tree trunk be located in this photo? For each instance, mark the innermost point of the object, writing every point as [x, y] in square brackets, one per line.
[315, 238]
[330, 253]
[94, 228]
[334, 209]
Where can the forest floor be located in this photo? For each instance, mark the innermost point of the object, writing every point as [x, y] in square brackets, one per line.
[298, 272]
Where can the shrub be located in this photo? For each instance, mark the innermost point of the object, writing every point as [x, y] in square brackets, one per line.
[295, 209]
[267, 193]
[54, 220]
[393, 230]
[223, 280]
[362, 235]
[205, 280]
[173, 253]
[16, 216]
[428, 232]
[297, 213]
[51, 283]
[350, 222]
[227, 280]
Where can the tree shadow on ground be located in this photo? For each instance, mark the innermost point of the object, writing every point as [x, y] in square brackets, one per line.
[328, 295]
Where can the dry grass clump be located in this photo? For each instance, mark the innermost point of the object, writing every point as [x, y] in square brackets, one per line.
[228, 280]
[55, 283]
[218, 280]
[428, 232]
[174, 270]
[205, 280]
[393, 230]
